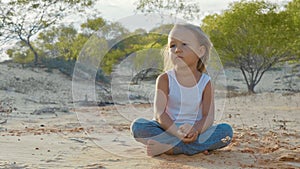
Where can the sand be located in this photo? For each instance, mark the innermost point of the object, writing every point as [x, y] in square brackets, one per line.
[41, 127]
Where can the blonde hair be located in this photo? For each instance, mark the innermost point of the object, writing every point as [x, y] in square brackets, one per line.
[202, 39]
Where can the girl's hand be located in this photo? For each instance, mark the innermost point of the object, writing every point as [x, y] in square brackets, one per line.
[187, 133]
[181, 134]
[183, 130]
[191, 137]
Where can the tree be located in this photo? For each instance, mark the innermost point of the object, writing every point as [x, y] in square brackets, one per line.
[93, 25]
[132, 44]
[292, 13]
[20, 53]
[23, 19]
[188, 10]
[252, 36]
[63, 42]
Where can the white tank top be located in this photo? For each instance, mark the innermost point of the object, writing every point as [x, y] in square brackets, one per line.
[184, 103]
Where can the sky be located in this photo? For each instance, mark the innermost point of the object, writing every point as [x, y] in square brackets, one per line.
[116, 9]
[124, 10]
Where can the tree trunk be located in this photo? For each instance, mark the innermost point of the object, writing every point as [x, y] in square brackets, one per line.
[250, 82]
[251, 88]
[36, 56]
[27, 41]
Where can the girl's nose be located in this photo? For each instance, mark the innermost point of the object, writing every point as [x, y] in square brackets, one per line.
[178, 49]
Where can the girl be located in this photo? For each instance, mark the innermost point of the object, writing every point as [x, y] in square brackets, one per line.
[184, 101]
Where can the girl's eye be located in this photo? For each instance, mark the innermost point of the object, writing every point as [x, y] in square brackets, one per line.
[184, 44]
[172, 46]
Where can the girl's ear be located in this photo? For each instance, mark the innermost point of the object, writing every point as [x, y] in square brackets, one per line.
[202, 51]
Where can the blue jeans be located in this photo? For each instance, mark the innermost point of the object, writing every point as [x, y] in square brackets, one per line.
[215, 137]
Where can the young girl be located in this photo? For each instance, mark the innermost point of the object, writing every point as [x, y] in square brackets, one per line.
[184, 101]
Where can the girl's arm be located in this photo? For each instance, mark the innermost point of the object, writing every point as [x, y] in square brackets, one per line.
[207, 116]
[208, 110]
[160, 103]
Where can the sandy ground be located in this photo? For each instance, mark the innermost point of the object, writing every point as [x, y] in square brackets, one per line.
[42, 128]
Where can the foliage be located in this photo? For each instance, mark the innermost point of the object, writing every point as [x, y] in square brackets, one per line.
[129, 45]
[63, 42]
[100, 50]
[20, 53]
[22, 19]
[252, 36]
[94, 24]
[292, 13]
[148, 58]
[188, 10]
[163, 29]
[100, 42]
[93, 51]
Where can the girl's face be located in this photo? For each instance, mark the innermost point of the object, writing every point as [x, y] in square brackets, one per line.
[184, 47]
[181, 54]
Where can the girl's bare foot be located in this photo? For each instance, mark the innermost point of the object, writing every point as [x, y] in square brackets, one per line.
[155, 148]
[206, 152]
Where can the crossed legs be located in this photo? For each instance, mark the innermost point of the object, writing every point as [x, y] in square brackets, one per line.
[158, 141]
